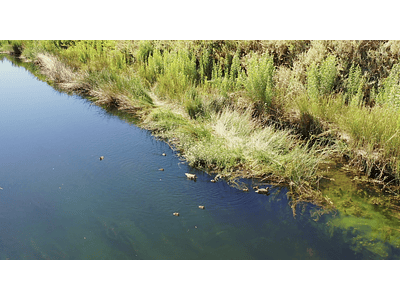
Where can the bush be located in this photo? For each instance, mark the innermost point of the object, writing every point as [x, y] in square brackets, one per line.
[355, 86]
[259, 82]
[145, 50]
[321, 79]
[389, 93]
[178, 75]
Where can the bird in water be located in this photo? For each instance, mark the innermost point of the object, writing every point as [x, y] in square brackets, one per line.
[191, 176]
[263, 191]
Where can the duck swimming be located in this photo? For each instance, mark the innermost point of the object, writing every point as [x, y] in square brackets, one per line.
[263, 191]
[191, 176]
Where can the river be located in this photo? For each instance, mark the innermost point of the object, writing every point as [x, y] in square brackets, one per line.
[60, 201]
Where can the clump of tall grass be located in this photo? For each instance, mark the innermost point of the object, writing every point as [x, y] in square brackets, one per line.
[375, 135]
[164, 121]
[232, 140]
[238, 141]
[193, 104]
[57, 71]
[114, 84]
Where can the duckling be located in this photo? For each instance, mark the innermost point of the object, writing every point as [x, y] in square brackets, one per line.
[263, 191]
[176, 214]
[101, 157]
[202, 207]
[191, 176]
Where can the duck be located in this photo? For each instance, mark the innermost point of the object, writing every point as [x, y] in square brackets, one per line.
[161, 169]
[202, 207]
[191, 176]
[164, 154]
[101, 157]
[213, 180]
[176, 214]
[263, 191]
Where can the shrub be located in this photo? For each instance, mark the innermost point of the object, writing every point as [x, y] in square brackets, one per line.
[321, 79]
[259, 82]
[355, 85]
[145, 50]
[389, 93]
[179, 74]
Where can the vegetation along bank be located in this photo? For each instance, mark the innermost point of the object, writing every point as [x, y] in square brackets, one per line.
[281, 111]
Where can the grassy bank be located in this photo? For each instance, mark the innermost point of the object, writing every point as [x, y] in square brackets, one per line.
[275, 110]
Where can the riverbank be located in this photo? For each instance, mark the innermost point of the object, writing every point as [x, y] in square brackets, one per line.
[277, 111]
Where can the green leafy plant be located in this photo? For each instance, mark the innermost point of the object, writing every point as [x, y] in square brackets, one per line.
[389, 93]
[355, 85]
[321, 79]
[259, 82]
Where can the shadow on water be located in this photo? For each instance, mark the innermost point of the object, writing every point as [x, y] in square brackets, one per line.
[59, 201]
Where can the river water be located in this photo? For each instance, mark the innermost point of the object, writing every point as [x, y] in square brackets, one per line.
[60, 201]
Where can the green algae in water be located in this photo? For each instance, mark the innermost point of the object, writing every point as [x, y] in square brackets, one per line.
[370, 228]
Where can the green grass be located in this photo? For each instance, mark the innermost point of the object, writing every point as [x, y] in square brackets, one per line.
[232, 140]
[115, 84]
